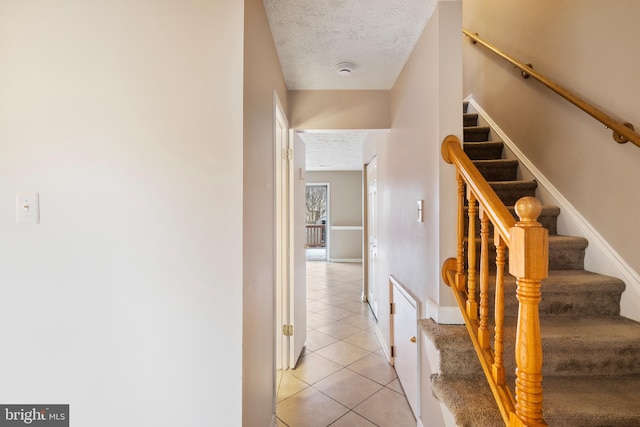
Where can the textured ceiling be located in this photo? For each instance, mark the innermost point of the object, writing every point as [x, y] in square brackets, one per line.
[313, 36]
[333, 150]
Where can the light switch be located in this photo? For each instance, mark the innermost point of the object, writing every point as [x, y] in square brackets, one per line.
[28, 208]
[420, 210]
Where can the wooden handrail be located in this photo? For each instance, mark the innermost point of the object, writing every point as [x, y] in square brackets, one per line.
[622, 132]
[528, 245]
[499, 215]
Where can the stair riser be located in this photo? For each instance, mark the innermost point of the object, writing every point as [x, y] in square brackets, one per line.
[553, 303]
[470, 120]
[510, 194]
[559, 360]
[487, 151]
[548, 220]
[476, 134]
[498, 171]
[564, 361]
[561, 257]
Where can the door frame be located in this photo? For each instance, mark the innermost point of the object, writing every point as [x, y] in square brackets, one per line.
[365, 229]
[282, 233]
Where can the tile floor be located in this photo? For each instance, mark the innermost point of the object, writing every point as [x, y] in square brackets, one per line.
[343, 378]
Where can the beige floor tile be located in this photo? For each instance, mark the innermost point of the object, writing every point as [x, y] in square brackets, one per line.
[396, 386]
[332, 300]
[336, 313]
[347, 387]
[387, 408]
[343, 353]
[317, 340]
[355, 306]
[309, 408]
[351, 419]
[316, 321]
[313, 367]
[289, 386]
[362, 321]
[365, 339]
[315, 307]
[375, 368]
[339, 330]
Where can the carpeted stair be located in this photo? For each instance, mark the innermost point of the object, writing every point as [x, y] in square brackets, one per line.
[591, 366]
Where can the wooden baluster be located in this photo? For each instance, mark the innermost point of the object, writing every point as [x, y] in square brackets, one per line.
[528, 262]
[472, 304]
[460, 277]
[498, 361]
[483, 329]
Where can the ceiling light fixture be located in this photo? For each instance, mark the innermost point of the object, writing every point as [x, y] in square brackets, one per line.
[344, 68]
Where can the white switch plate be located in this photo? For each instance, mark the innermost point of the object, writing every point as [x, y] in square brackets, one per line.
[420, 210]
[28, 208]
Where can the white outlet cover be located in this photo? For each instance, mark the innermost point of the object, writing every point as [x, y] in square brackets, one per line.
[27, 208]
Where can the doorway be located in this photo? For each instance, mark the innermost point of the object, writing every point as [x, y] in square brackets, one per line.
[290, 276]
[316, 220]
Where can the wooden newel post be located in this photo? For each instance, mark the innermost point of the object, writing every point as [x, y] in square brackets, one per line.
[529, 263]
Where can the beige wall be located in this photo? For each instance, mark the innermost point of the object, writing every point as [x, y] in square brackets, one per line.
[339, 109]
[126, 300]
[262, 75]
[587, 46]
[425, 107]
[345, 209]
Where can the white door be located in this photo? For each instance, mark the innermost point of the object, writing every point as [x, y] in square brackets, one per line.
[404, 327]
[283, 225]
[298, 289]
[372, 235]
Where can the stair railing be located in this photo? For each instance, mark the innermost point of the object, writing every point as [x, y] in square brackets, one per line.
[622, 132]
[528, 245]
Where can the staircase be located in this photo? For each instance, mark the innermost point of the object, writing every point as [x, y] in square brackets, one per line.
[591, 368]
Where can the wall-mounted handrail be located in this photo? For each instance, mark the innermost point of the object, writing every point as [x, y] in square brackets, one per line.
[622, 132]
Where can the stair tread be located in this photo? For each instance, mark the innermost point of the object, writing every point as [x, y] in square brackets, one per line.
[610, 400]
[584, 279]
[498, 161]
[568, 401]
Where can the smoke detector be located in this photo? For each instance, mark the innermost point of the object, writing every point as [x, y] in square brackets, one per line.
[344, 68]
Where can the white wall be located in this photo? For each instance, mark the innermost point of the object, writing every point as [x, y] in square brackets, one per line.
[126, 300]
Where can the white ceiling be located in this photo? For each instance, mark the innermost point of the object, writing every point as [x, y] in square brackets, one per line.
[313, 36]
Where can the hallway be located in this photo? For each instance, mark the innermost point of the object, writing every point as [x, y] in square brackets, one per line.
[343, 378]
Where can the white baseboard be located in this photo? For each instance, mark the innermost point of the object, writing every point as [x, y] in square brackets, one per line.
[600, 256]
[345, 260]
[386, 348]
[444, 315]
